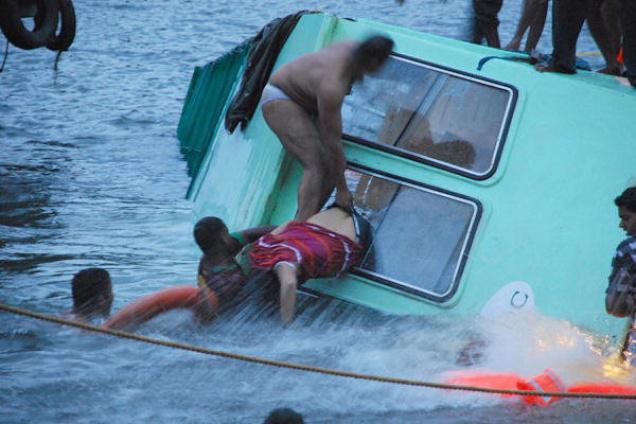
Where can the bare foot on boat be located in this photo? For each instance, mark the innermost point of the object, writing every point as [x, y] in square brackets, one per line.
[548, 67]
[623, 81]
[513, 45]
[611, 70]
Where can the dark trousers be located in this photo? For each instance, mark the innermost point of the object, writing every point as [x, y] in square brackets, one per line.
[567, 21]
[486, 22]
[628, 22]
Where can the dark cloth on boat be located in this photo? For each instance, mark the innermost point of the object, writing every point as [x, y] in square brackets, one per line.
[264, 50]
[314, 250]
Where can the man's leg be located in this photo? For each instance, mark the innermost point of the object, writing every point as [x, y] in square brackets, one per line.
[603, 37]
[567, 21]
[629, 39]
[486, 20]
[527, 17]
[299, 135]
[537, 25]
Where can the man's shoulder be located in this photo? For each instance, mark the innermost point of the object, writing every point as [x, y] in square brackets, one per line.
[626, 250]
[629, 244]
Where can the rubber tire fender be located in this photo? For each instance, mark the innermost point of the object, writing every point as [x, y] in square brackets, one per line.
[13, 28]
[68, 22]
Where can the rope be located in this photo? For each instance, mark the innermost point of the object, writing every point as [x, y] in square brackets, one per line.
[300, 367]
[6, 53]
[57, 59]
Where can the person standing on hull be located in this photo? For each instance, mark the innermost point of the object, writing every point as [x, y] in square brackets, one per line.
[302, 104]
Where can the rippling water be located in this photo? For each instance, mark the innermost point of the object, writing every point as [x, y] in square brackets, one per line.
[91, 175]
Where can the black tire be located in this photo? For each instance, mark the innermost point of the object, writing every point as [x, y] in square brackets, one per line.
[68, 22]
[13, 28]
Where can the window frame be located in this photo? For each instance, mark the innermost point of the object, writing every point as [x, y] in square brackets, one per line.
[501, 138]
[463, 256]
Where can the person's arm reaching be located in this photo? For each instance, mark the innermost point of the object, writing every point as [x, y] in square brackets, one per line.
[250, 235]
[288, 280]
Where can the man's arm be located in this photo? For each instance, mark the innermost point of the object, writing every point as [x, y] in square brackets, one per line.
[330, 124]
[250, 235]
[288, 280]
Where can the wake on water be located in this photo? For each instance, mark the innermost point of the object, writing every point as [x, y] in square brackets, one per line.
[334, 334]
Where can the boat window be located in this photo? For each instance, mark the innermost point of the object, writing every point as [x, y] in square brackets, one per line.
[448, 119]
[421, 234]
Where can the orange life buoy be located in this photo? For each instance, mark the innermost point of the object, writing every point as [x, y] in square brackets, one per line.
[547, 381]
[487, 380]
[602, 388]
[154, 304]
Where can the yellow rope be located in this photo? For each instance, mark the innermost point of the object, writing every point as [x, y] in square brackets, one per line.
[300, 367]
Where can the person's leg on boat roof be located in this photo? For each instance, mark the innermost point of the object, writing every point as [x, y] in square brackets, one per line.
[486, 22]
[628, 21]
[603, 36]
[537, 25]
[567, 22]
[299, 135]
[524, 22]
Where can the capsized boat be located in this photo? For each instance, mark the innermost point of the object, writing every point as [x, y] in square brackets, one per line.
[489, 185]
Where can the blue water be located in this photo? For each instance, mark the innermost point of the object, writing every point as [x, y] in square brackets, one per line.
[91, 175]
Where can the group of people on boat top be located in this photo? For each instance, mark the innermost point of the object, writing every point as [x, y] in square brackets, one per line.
[612, 24]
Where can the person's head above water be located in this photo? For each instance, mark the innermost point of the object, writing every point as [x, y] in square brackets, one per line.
[626, 203]
[211, 235]
[92, 292]
[284, 416]
[372, 53]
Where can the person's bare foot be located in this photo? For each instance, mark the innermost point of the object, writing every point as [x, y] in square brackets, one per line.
[513, 45]
[548, 67]
[611, 70]
[545, 67]
[623, 81]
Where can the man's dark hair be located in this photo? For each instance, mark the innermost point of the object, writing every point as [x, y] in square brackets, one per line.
[627, 199]
[284, 416]
[377, 47]
[207, 232]
[90, 288]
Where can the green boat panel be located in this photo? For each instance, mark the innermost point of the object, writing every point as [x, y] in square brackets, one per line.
[205, 105]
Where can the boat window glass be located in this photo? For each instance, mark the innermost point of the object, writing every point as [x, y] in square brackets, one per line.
[421, 235]
[430, 114]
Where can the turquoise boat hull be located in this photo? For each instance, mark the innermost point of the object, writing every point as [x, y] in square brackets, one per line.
[535, 215]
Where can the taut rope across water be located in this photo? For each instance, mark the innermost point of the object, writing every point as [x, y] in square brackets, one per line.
[300, 367]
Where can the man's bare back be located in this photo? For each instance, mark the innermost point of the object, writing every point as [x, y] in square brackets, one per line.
[304, 80]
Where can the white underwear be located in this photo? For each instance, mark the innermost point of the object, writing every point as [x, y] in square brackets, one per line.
[271, 93]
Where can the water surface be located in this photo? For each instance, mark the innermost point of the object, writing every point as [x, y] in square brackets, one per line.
[91, 175]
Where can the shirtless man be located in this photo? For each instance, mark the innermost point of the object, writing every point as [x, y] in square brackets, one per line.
[302, 105]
